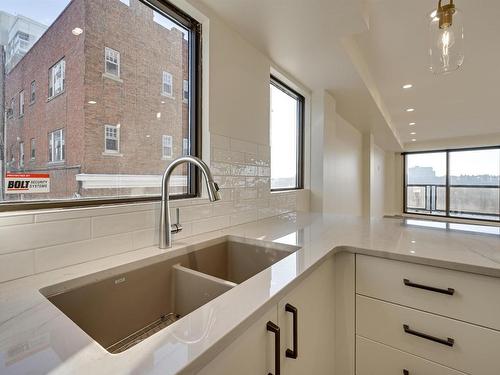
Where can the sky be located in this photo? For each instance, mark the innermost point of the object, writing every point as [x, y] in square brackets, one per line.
[44, 11]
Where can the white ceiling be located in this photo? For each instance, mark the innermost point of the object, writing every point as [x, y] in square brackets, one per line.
[314, 40]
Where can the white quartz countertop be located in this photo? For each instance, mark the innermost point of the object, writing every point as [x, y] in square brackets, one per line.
[36, 338]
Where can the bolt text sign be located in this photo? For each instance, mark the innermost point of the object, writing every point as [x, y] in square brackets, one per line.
[27, 183]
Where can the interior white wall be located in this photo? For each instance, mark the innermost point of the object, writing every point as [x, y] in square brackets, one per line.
[337, 165]
[378, 188]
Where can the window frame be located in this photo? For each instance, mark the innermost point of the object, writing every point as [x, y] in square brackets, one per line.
[114, 127]
[164, 74]
[279, 84]
[52, 82]
[185, 91]
[32, 149]
[118, 62]
[195, 126]
[22, 104]
[21, 162]
[32, 92]
[448, 185]
[52, 146]
[164, 156]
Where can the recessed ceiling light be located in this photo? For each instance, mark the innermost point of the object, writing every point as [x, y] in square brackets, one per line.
[76, 31]
[433, 13]
[92, 102]
[410, 109]
[158, 115]
[413, 140]
[408, 86]
[412, 123]
[413, 133]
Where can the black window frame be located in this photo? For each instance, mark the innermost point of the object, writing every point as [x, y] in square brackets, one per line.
[448, 185]
[195, 124]
[279, 84]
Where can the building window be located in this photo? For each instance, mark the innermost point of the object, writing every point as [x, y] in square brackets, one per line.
[10, 111]
[167, 86]
[56, 78]
[32, 149]
[21, 104]
[185, 146]
[111, 138]
[33, 92]
[104, 164]
[454, 183]
[287, 128]
[166, 147]
[185, 91]
[56, 146]
[112, 62]
[21, 154]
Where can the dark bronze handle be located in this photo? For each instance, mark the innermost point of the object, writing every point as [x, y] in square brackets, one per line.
[449, 291]
[448, 341]
[295, 352]
[271, 327]
[406, 372]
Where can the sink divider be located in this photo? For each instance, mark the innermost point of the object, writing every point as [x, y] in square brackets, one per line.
[193, 289]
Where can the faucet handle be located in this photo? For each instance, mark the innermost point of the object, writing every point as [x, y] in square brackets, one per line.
[177, 227]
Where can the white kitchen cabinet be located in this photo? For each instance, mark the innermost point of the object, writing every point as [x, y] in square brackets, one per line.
[314, 300]
[253, 352]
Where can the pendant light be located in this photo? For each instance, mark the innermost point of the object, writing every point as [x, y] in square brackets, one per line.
[446, 38]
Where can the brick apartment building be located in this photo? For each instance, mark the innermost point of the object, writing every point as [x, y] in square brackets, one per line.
[100, 102]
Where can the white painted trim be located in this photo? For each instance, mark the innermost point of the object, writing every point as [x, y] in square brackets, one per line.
[113, 181]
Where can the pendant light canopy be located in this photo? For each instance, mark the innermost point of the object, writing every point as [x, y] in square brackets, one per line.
[446, 38]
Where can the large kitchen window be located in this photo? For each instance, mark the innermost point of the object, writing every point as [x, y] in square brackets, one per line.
[287, 140]
[101, 136]
[454, 183]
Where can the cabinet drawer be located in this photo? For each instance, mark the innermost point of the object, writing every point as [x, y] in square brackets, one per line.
[373, 358]
[385, 279]
[475, 350]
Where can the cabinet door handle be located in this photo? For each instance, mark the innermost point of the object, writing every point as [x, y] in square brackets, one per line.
[448, 341]
[406, 372]
[293, 353]
[271, 327]
[448, 291]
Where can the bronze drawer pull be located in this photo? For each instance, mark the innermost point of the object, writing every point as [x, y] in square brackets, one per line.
[271, 327]
[293, 353]
[449, 291]
[448, 341]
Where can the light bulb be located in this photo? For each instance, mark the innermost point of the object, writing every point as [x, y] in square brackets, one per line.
[446, 40]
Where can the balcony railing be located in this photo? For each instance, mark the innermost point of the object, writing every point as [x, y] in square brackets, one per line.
[468, 201]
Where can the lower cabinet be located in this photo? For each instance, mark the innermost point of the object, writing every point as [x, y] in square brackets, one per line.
[377, 359]
[305, 323]
[251, 353]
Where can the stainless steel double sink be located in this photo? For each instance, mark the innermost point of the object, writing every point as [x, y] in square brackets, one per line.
[122, 306]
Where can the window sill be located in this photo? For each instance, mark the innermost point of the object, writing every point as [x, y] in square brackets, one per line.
[56, 163]
[166, 157]
[55, 96]
[109, 153]
[286, 190]
[170, 96]
[112, 77]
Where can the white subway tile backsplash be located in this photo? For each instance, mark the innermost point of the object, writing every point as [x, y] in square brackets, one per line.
[113, 224]
[32, 243]
[31, 236]
[13, 266]
[15, 220]
[193, 213]
[49, 258]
